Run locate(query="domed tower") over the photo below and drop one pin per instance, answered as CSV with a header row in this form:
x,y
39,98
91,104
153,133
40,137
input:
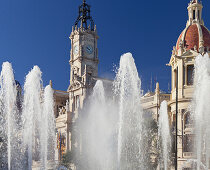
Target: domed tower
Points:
x,y
195,36
194,40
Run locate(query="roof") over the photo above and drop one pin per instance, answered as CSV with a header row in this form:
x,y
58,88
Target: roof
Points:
x,y
191,37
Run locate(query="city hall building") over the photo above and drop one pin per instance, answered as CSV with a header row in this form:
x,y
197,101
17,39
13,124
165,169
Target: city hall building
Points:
x,y
193,40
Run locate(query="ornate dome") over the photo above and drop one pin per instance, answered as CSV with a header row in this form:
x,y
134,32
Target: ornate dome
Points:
x,y
194,36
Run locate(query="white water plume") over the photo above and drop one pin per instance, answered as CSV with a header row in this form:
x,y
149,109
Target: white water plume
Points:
x,y
47,135
164,134
32,114
201,110
98,128
9,110
114,133
27,131
127,88
38,120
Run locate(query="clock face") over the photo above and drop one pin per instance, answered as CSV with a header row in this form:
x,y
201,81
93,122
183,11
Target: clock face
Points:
x,y
76,49
89,49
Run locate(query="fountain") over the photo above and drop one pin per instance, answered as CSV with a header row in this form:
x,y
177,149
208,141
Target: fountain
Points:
x,y
164,134
112,127
9,111
32,114
97,128
127,88
114,131
48,127
28,132
201,109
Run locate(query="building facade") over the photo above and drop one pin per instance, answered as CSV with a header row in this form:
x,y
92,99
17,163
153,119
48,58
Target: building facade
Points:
x,y
194,40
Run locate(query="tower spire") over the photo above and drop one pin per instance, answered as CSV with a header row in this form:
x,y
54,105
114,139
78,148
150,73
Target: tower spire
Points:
x,y
84,17
195,12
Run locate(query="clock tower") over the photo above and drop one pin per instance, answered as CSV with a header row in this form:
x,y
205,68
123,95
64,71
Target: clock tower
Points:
x,y
84,66
83,57
84,51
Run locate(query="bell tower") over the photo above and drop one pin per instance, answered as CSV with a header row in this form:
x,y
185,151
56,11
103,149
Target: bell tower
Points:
x,y
83,58
195,12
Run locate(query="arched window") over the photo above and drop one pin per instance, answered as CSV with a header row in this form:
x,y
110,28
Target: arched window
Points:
x,y
175,77
193,14
187,119
188,143
183,75
190,70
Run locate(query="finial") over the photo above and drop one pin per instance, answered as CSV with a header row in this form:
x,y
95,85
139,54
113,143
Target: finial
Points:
x,y
157,90
67,106
50,83
174,52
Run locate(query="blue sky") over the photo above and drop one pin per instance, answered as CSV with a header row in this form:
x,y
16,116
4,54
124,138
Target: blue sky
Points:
x,y
35,32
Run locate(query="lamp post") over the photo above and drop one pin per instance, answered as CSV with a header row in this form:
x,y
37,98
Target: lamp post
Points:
x,y
176,149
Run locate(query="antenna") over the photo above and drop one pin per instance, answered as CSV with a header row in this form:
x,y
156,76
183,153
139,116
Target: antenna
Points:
x,y
168,87
151,83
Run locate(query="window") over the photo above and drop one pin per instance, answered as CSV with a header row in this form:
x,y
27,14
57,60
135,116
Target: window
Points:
x,y
188,143
73,107
187,120
193,14
190,69
173,142
175,77
89,75
205,49
77,102
57,112
199,14
183,75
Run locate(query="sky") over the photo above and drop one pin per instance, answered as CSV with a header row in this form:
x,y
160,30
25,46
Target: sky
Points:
x,y
36,32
